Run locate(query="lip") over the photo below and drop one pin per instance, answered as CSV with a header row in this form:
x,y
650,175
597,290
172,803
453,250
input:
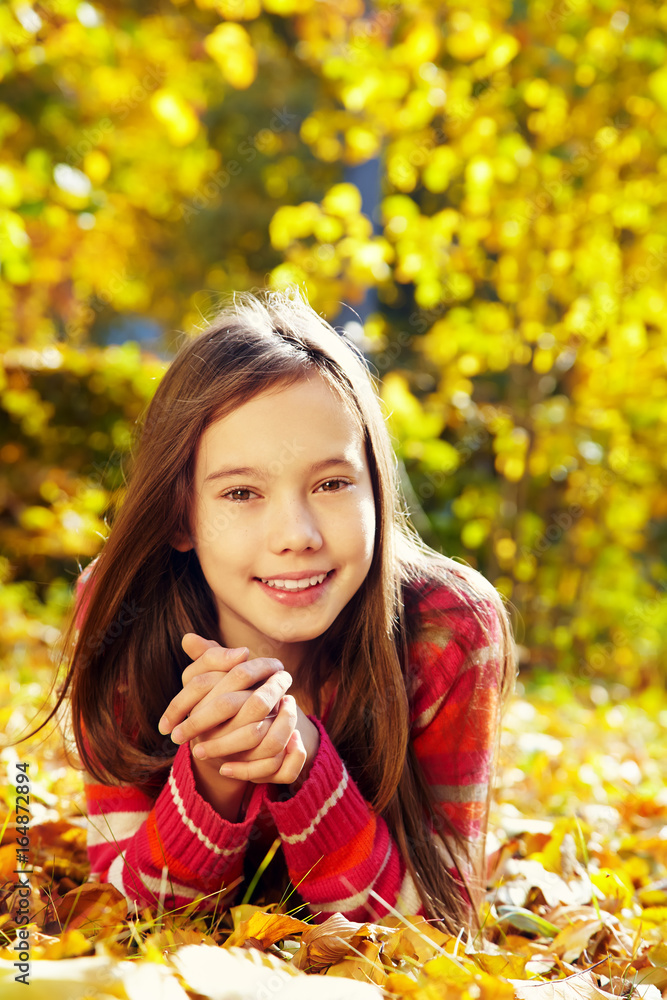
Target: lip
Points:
x,y
298,598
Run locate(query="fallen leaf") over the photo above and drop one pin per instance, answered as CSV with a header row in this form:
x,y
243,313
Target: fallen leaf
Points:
x,y
581,986
363,966
266,928
248,974
91,905
418,941
526,920
572,940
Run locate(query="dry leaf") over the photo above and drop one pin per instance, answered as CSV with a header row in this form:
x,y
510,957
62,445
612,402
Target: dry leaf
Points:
x,y
322,945
581,986
364,966
266,928
417,941
572,940
90,906
247,974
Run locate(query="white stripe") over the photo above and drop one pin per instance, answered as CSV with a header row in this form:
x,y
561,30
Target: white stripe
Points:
x,y
152,884
193,828
352,902
481,656
427,716
105,828
461,793
477,658
408,900
296,838
116,874
157,886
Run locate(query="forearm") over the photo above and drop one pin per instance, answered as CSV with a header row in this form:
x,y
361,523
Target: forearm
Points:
x,y
338,851
179,844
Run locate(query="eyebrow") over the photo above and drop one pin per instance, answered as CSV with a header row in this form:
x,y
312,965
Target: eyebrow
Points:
x,y
325,463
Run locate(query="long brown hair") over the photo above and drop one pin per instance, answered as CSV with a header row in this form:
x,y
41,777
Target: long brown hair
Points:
x,y
144,594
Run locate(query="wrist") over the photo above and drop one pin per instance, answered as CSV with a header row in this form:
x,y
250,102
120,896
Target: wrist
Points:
x,y
311,741
225,795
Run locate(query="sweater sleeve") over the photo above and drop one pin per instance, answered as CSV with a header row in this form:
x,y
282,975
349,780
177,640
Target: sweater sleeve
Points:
x,y
338,851
456,715
175,848
340,854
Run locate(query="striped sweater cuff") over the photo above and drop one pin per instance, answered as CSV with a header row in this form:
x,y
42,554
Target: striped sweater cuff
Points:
x,y
192,827
325,813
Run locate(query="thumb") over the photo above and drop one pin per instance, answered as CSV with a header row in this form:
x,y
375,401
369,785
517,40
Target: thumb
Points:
x,y
194,645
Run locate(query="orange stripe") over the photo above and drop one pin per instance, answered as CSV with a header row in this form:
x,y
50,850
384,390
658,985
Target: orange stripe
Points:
x,y
160,856
346,857
106,792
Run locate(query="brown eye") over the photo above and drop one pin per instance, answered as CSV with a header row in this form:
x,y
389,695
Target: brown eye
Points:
x,y
343,481
231,493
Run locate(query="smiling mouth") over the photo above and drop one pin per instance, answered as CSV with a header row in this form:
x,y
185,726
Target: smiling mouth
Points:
x,y
297,590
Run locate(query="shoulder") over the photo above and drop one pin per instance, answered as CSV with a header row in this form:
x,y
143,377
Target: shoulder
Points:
x,y
456,645
452,607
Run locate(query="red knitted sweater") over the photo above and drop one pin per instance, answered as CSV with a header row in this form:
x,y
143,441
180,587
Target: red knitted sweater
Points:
x,y
338,852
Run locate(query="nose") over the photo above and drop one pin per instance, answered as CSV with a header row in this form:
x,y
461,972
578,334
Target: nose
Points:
x,y
294,525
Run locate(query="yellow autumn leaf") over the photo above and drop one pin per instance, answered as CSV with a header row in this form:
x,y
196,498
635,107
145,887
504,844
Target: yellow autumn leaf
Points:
x,y
231,47
178,118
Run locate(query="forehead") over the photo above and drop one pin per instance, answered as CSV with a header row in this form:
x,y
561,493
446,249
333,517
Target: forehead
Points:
x,y
307,420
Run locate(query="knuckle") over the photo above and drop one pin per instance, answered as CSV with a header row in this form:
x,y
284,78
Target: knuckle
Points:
x,y
221,703
251,739
261,700
203,680
210,657
273,746
242,674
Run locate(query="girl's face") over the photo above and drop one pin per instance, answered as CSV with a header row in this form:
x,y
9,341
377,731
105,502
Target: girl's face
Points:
x,y
282,487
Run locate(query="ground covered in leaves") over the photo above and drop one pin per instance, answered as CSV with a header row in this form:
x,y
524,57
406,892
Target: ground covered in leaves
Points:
x,y
576,908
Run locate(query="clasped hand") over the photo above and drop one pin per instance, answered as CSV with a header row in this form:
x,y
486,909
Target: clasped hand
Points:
x,y
237,716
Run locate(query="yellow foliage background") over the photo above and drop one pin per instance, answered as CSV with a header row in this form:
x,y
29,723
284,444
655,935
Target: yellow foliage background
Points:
x,y
477,193
485,185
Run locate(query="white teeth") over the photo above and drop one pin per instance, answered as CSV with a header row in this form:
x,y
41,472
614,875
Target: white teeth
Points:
x,y
296,584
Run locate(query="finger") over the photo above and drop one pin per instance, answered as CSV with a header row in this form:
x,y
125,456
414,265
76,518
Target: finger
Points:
x,y
293,761
258,771
245,676
200,678
249,674
282,769
238,741
275,739
213,658
265,698
256,740
194,644
218,710
186,700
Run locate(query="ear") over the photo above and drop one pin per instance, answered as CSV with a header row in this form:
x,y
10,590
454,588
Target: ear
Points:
x,y
182,542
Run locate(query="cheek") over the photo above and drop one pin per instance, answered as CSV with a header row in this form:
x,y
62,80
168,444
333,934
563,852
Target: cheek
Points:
x,y
365,534
214,525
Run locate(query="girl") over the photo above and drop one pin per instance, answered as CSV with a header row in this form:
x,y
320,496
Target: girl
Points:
x,y
266,648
